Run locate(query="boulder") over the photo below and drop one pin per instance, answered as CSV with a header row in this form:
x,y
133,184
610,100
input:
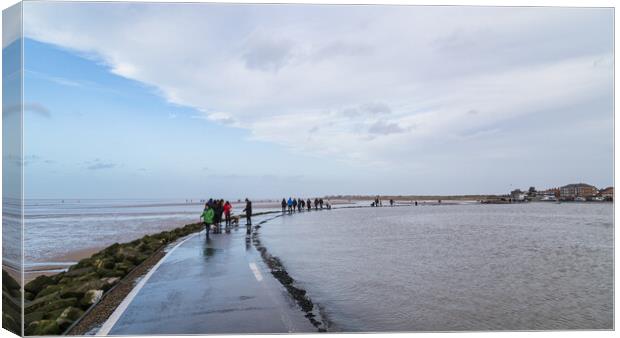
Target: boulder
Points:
x,y
34,316
83,263
71,293
42,328
48,290
91,297
104,262
11,323
124,267
29,295
88,276
39,302
57,304
111,250
9,282
36,285
73,272
110,273
68,316
110,281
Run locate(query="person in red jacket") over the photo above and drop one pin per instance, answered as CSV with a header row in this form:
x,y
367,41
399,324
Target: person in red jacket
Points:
x,y
227,211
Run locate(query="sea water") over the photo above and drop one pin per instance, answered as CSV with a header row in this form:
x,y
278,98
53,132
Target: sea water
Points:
x,y
532,266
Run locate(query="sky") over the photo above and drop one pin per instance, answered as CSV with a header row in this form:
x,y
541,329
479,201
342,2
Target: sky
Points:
x,y
149,100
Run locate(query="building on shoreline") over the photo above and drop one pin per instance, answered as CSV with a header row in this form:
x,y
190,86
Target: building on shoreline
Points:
x,y
607,193
578,190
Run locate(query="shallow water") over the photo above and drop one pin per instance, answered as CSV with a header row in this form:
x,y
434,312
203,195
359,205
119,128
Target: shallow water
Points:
x,y
57,228
530,266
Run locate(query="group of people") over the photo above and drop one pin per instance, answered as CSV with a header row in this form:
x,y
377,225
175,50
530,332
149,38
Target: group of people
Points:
x,y
215,209
299,204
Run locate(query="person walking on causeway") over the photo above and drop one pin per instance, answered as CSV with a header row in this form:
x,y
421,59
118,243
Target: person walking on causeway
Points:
x,y
248,215
290,205
207,217
227,212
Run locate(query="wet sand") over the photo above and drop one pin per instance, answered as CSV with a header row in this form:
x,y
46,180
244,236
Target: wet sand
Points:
x,y
58,264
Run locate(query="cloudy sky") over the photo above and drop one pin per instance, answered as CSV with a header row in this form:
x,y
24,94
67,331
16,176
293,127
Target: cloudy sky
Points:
x,y
191,100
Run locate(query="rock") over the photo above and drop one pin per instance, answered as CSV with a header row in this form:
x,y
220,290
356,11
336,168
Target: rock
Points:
x,y
104,262
9,282
124,267
110,281
34,316
68,316
94,284
29,295
36,285
11,324
91,297
111,250
131,255
71,293
110,273
43,328
48,290
59,303
88,276
144,248
79,272
83,263
58,277
39,302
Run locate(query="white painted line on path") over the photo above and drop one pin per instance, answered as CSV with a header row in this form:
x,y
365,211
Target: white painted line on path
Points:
x,y
256,272
116,315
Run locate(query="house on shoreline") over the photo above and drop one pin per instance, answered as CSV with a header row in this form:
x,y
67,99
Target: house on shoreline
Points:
x,y
578,191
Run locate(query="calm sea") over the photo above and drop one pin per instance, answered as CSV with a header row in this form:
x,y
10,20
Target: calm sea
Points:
x,y
530,266
57,228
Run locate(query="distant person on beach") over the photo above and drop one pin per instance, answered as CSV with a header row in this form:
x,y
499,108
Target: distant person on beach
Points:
x,y
316,204
302,204
248,214
321,203
294,204
309,204
207,217
377,201
283,205
328,205
227,211
289,203
391,202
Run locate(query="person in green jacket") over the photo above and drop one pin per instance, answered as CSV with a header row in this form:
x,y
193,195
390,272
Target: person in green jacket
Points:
x,y
207,216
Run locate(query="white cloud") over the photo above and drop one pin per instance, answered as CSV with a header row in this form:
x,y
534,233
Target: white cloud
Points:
x,y
347,82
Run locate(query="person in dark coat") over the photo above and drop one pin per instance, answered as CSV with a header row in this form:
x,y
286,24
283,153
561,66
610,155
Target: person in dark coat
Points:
x,y
283,204
309,204
248,215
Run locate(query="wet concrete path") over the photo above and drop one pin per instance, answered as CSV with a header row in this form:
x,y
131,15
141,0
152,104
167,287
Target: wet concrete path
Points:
x,y
219,286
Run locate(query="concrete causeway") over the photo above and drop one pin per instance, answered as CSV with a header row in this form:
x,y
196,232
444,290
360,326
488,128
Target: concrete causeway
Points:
x,y
209,287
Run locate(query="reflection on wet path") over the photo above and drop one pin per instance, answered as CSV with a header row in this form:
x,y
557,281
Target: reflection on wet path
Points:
x,y
215,286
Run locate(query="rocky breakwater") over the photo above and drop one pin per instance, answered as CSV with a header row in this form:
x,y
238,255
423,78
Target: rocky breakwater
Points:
x,y
54,303
11,304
